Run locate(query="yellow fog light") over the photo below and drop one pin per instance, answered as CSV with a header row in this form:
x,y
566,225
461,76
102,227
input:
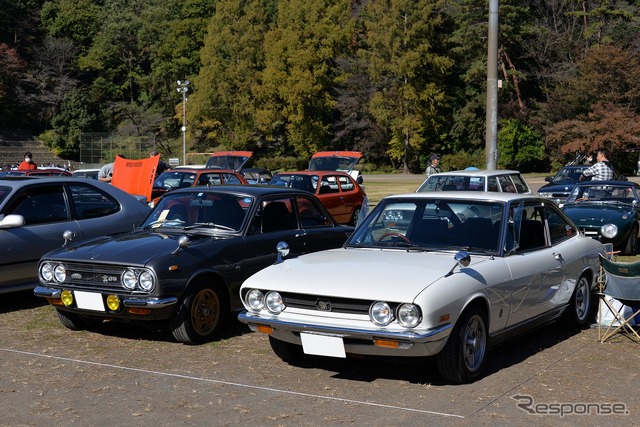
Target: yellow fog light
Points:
x,y
113,302
67,298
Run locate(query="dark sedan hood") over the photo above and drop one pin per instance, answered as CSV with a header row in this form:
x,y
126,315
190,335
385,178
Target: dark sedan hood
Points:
x,y
137,248
594,212
558,187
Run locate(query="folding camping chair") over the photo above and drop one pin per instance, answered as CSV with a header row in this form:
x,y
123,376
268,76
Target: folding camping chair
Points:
x,y
621,281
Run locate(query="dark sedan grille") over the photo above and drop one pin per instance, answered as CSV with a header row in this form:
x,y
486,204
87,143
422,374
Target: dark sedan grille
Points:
x,y
321,303
95,276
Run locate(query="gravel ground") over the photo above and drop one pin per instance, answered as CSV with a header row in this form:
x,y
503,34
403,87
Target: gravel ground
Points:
x,y
127,375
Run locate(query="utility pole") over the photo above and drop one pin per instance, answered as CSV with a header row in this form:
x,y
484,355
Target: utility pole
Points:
x,y
491,149
183,87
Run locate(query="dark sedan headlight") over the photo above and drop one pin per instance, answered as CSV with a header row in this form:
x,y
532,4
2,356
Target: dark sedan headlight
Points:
x,y
51,272
609,231
46,272
545,194
133,278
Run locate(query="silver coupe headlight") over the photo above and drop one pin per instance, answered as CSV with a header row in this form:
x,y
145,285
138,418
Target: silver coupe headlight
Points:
x,y
408,315
609,231
274,302
46,272
393,215
380,313
129,279
255,299
146,281
59,273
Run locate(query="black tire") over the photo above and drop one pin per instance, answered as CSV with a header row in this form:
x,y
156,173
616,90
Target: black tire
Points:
x,y
464,355
77,322
632,242
200,314
290,353
356,214
580,309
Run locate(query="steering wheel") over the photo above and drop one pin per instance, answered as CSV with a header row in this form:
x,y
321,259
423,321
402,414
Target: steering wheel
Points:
x,y
394,234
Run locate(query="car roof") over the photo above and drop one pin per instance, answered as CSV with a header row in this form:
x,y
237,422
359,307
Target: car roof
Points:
x,y
479,172
592,183
343,173
475,196
200,170
248,189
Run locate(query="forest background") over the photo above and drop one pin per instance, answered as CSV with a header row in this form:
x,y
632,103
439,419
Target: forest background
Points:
x,y
395,79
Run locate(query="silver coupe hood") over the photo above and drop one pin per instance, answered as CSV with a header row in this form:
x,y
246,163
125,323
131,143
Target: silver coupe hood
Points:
x,y
349,273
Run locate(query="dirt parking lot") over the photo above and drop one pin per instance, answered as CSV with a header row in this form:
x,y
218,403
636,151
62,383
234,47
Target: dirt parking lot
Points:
x,y
128,375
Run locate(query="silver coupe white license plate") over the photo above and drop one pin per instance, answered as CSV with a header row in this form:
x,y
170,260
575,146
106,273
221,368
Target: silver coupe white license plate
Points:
x,y
322,345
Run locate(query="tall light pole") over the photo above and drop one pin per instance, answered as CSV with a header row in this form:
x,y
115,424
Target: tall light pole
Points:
x,y
491,143
183,87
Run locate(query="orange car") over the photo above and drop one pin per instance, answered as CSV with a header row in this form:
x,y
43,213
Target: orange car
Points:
x,y
186,177
340,194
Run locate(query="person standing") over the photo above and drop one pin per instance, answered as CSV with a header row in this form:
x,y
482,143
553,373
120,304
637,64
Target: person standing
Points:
x,y
106,172
602,170
27,163
434,165
162,166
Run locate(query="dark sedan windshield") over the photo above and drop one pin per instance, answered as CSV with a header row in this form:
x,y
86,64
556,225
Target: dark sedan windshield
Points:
x,y
219,211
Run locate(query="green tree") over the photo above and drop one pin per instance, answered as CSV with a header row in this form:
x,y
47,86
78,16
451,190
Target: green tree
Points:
x,y
407,68
296,99
520,145
224,104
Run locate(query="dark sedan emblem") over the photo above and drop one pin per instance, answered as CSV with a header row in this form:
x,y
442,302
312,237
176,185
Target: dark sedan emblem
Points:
x,y
323,305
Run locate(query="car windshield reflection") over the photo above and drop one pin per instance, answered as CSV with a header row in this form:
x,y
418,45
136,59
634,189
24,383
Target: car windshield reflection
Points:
x,y
432,224
191,210
602,193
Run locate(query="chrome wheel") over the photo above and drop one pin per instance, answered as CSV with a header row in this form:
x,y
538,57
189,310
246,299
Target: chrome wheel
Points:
x,y
474,343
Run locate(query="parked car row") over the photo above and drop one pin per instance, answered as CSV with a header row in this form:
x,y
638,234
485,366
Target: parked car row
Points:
x,y
445,272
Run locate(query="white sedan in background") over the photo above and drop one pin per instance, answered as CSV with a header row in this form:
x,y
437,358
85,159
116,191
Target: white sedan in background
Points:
x,y
460,272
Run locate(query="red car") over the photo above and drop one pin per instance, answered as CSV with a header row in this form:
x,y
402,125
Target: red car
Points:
x,y
186,177
340,194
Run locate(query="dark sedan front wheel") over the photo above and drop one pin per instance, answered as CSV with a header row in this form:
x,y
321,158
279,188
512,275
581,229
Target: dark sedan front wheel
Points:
x,y
200,314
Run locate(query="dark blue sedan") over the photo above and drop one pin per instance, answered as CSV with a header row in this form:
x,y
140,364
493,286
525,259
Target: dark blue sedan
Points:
x,y
608,211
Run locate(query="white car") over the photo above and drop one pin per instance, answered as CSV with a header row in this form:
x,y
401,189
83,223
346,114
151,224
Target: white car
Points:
x,y
465,271
499,180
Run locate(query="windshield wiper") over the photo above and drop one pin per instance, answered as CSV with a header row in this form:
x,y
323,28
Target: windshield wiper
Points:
x,y
163,222
210,224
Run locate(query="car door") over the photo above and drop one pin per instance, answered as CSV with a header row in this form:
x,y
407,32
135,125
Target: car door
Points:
x,y
273,221
320,233
331,198
46,216
537,267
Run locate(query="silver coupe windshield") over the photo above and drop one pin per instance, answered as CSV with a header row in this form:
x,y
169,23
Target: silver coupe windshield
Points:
x,y
432,224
